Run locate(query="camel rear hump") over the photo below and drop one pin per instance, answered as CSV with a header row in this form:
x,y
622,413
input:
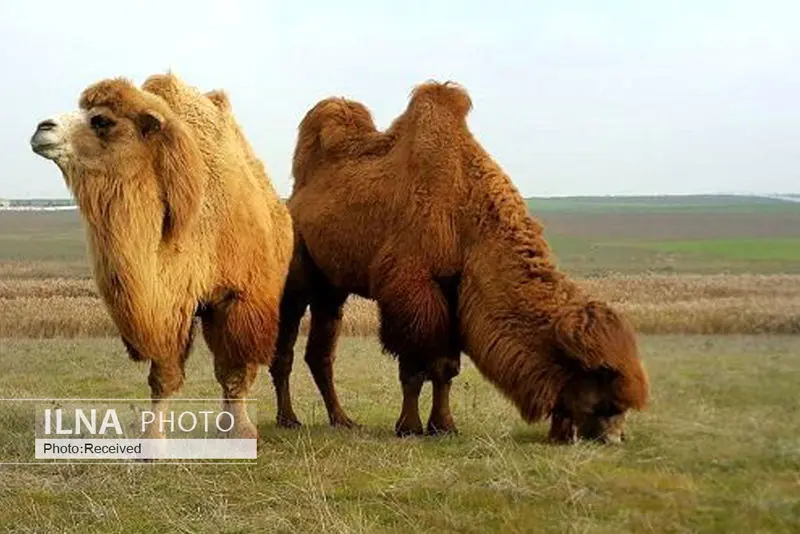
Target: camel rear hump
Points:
x,y
441,96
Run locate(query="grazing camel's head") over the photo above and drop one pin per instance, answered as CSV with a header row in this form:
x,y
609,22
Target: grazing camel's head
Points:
x,y
588,409
121,142
606,377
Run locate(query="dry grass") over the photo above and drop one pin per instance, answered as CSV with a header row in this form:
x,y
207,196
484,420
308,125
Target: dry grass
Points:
x,y
708,304
19,270
688,287
717,451
47,288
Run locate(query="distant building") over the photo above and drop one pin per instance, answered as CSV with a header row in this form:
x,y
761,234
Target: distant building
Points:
x,y
5,203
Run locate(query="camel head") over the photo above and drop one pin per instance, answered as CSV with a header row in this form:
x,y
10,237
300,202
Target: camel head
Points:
x,y
112,126
588,409
606,378
123,139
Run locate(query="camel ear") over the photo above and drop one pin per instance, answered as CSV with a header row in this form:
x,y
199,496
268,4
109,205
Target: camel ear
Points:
x,y
219,99
181,173
149,122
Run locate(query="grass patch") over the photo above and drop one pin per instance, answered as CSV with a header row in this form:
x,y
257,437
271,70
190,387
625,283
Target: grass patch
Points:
x,y
584,257
717,451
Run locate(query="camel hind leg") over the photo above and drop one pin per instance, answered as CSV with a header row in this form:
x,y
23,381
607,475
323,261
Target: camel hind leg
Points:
x,y
241,333
441,373
415,314
411,380
445,365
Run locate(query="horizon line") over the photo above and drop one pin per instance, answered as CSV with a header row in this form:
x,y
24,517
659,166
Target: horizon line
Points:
x,y
777,196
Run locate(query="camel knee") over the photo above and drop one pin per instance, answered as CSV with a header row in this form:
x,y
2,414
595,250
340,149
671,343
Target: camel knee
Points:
x,y
281,366
412,371
444,369
291,312
165,378
319,359
326,319
235,378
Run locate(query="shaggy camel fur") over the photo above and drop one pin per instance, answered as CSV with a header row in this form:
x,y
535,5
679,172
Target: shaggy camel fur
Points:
x,y
422,220
182,221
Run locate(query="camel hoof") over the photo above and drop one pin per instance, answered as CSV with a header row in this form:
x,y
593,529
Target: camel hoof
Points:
x,y
406,432
244,431
288,422
402,429
343,421
441,429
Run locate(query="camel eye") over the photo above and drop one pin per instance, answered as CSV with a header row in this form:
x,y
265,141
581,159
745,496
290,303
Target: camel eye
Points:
x,y
101,122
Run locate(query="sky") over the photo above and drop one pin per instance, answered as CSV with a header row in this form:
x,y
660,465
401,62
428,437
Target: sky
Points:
x,y
571,98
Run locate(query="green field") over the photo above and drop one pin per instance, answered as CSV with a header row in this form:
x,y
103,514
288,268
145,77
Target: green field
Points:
x,y
777,250
601,236
717,451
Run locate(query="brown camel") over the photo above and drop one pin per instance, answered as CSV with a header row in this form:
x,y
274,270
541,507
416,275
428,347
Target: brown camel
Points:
x,y
422,220
182,221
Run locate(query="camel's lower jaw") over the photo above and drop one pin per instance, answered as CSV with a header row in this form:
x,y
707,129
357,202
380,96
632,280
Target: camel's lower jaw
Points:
x,y
612,439
43,146
51,152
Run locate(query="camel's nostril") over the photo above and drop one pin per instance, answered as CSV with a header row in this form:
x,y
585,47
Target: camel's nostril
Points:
x,y
46,125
